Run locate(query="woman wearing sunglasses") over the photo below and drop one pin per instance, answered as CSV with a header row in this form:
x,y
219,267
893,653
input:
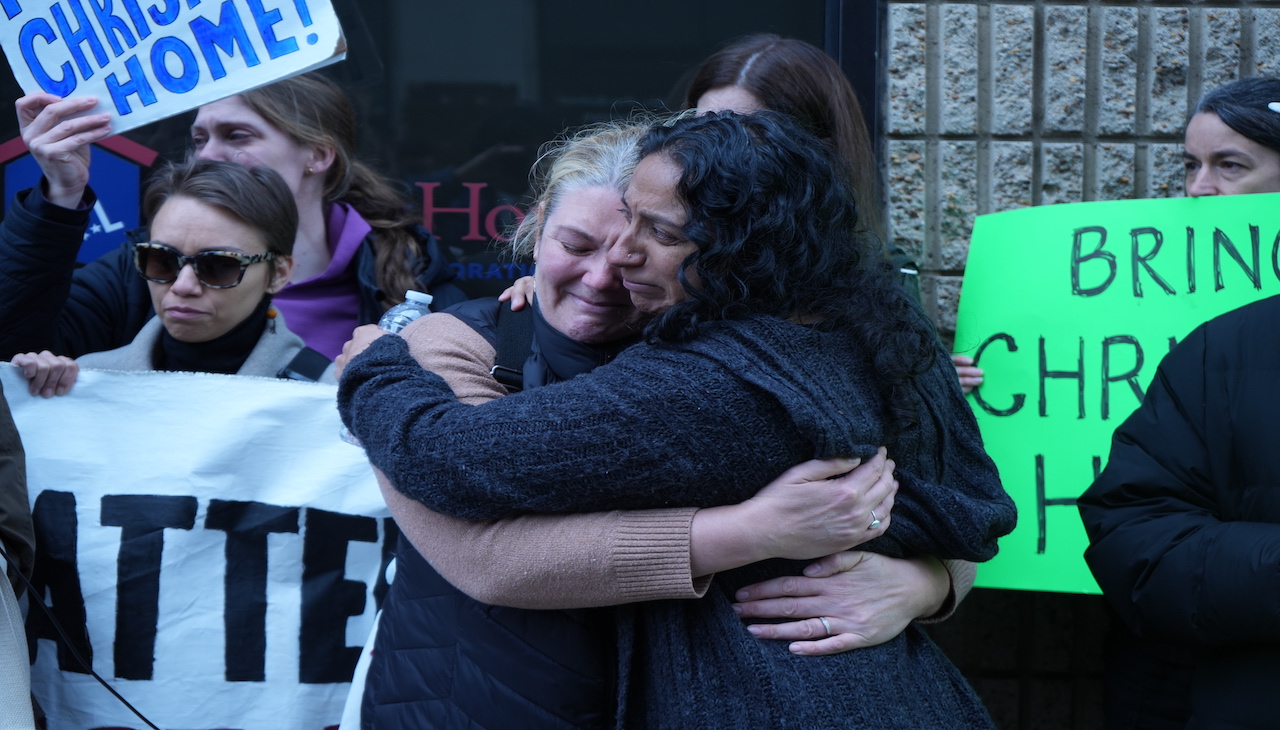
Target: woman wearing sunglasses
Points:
x,y
221,245
357,248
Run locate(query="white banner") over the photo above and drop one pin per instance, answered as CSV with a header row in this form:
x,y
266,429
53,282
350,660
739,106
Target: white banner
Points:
x,y
208,540
149,59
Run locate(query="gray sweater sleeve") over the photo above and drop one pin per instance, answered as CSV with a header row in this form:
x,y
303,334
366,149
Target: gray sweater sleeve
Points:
x,y
698,426
633,435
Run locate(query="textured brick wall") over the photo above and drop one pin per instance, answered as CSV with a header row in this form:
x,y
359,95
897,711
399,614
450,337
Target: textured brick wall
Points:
x,y
1000,104
993,105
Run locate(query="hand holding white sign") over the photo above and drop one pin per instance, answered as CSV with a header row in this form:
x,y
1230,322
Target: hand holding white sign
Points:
x,y
59,139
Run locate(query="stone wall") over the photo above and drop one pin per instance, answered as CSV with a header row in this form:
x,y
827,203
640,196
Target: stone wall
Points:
x,y
999,104
994,104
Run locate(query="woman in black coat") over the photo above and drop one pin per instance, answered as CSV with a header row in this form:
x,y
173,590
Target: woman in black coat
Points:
x,y
1184,523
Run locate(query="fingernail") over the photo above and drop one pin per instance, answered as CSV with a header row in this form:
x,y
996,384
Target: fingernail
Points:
x,y
740,595
736,608
755,630
812,569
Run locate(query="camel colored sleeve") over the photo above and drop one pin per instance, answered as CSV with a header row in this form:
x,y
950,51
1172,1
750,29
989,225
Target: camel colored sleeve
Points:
x,y
538,561
963,574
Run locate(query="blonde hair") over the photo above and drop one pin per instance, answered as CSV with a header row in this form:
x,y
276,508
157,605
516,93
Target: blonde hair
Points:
x,y
313,110
598,155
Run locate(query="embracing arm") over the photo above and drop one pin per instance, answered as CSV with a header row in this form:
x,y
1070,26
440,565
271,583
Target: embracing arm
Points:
x,y
607,558
634,435
556,561
537,561
571,561
1167,562
612,438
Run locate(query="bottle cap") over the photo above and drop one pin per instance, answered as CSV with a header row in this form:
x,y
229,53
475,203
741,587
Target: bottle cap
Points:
x,y
417,296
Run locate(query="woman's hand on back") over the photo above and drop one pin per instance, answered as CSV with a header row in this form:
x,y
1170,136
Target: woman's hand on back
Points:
x,y
866,599
59,143
813,509
49,374
519,293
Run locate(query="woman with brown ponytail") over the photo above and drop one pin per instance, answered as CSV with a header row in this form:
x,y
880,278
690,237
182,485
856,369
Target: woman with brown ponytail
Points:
x,y
358,249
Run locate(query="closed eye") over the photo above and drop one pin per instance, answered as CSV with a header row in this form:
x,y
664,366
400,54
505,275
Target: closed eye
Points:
x,y
663,236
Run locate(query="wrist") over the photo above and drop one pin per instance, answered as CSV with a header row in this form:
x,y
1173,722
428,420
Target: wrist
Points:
x,y
723,538
64,196
936,586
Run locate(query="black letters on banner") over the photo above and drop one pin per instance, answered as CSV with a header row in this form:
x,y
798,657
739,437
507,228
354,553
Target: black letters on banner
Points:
x,y
1191,260
328,599
1018,399
143,519
1141,261
1078,258
57,573
1076,375
1043,502
1130,376
1220,242
247,525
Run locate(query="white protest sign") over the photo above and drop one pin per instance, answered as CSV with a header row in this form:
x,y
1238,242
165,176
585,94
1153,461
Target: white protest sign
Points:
x,y
207,540
149,59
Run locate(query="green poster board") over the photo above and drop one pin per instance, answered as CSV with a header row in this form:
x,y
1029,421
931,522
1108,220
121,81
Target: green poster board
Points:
x,y
1069,309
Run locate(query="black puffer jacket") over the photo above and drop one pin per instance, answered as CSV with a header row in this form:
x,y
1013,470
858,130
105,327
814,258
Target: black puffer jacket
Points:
x,y
445,660
47,302
1184,523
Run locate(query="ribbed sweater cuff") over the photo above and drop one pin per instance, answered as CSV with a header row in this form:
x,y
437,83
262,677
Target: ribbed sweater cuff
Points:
x,y
651,555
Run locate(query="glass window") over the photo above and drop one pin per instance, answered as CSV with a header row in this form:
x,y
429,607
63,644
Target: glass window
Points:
x,y
454,99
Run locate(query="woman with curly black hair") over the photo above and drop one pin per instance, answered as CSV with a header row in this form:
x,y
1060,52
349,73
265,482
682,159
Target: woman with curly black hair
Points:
x,y
778,335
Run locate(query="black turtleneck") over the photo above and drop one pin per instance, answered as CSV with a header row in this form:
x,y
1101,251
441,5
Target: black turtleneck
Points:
x,y
225,354
557,357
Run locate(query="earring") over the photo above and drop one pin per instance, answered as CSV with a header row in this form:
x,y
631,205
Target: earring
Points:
x,y
271,318
311,170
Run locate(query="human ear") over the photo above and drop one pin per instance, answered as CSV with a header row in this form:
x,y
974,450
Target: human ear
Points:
x,y
281,270
321,158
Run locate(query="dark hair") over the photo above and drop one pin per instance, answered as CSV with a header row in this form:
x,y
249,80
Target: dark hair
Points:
x,y
1243,106
313,110
795,78
257,196
776,229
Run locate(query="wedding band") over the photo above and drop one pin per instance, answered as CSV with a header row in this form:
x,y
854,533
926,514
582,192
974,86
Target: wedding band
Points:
x,y
875,521
825,624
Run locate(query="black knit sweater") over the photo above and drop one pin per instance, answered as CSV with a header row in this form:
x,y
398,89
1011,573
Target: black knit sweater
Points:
x,y
705,423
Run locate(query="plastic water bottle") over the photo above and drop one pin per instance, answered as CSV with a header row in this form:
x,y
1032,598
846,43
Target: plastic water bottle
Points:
x,y
415,305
